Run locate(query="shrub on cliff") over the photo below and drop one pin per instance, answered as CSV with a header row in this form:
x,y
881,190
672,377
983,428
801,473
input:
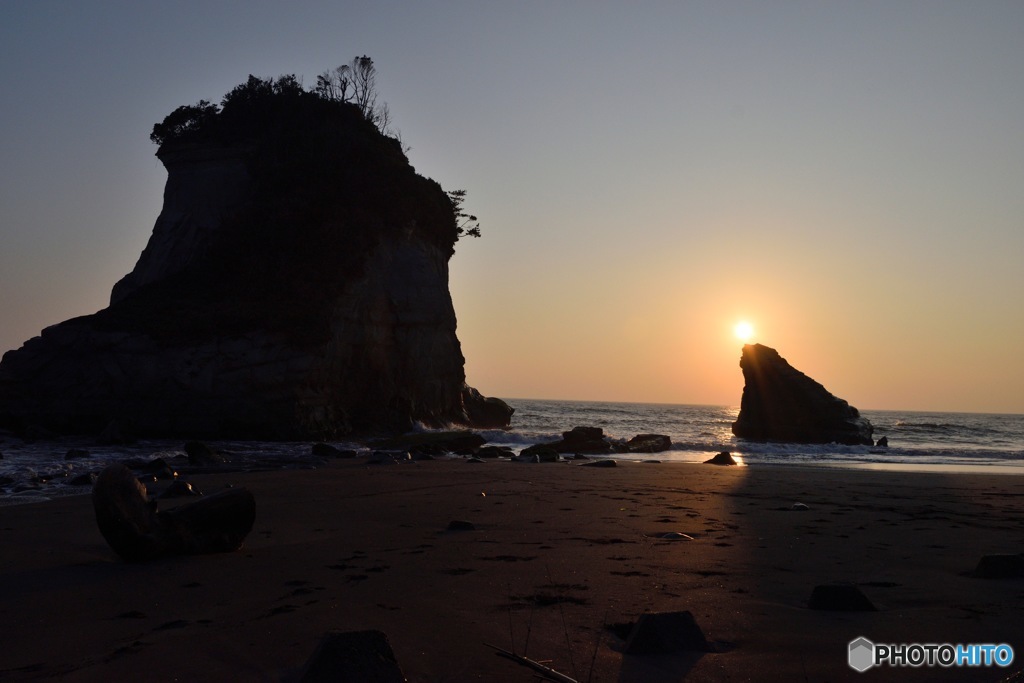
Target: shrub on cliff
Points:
x,y
310,143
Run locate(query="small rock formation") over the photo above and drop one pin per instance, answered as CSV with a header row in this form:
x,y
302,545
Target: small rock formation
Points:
x,y
723,458
540,452
494,452
295,286
352,657
485,412
592,441
589,440
1004,566
780,403
649,443
202,455
841,597
87,479
666,633
132,526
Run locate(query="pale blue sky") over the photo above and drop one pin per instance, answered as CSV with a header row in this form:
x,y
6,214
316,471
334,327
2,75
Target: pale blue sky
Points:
x,y
847,175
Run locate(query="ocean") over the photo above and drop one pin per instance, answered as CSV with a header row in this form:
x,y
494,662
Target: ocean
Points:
x,y
985,442
918,441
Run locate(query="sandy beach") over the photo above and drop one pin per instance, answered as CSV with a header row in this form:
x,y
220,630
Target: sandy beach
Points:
x,y
558,552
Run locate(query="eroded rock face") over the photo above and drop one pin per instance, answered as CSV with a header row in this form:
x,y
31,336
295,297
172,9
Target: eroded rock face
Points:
x,y
295,286
206,185
780,403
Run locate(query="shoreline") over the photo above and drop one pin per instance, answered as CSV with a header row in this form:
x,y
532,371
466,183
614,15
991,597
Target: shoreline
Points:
x,y
44,495
555,550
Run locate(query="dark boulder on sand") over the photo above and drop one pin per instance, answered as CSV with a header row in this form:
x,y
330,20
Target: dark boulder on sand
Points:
x,y
666,633
485,412
87,479
494,452
649,443
132,526
780,403
540,452
840,597
589,440
352,657
200,454
295,286
1005,566
723,458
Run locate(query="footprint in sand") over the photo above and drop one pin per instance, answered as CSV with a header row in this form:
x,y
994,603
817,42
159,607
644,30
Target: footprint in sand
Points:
x,y
133,614
178,623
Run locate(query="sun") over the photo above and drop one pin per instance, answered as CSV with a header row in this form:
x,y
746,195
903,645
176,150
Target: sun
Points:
x,y
744,331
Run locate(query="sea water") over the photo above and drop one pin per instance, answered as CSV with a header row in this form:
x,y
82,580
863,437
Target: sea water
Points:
x,y
917,441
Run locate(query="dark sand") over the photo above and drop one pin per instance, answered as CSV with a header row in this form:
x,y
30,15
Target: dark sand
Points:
x,y
558,552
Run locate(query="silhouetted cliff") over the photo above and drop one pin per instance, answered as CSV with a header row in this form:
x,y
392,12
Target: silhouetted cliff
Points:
x,y
295,285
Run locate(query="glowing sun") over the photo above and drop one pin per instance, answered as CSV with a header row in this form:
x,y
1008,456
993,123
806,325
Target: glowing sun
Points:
x,y
743,330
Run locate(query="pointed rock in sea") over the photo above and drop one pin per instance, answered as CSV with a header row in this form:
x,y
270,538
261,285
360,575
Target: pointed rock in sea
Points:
x,y
780,403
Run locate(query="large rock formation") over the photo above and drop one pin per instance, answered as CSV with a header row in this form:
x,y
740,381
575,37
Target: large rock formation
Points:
x,y
295,286
780,403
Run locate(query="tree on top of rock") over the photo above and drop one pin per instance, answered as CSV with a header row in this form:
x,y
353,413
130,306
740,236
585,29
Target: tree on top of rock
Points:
x,y
356,83
263,108
350,85
184,121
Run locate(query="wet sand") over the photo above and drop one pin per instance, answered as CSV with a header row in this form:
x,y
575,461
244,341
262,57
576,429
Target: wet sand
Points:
x,y
558,552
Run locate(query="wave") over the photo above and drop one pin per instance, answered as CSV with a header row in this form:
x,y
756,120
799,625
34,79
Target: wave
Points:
x,y
517,438
946,428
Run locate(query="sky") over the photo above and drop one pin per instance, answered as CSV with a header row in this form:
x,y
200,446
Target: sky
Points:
x,y
848,177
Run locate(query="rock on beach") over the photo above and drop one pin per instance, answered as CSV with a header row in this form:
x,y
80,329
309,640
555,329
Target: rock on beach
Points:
x,y
780,403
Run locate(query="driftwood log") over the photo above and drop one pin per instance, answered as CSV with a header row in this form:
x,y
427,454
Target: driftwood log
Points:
x,y
133,527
